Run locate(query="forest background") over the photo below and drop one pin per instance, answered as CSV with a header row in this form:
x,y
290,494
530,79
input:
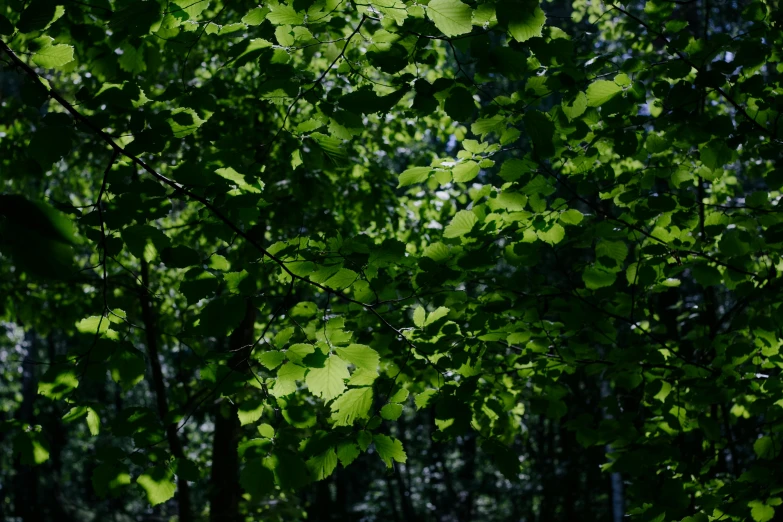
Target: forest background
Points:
x,y
444,260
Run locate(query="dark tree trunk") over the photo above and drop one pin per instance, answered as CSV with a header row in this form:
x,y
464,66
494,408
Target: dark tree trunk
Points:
x,y
57,440
159,388
467,476
26,502
225,489
224,499
392,498
405,497
322,510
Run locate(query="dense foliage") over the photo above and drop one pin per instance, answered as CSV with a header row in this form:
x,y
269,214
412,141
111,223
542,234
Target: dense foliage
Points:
x,y
391,260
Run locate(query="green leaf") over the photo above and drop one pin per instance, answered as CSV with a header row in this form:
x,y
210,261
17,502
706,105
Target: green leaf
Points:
x,y
127,367
197,284
54,56
526,24
323,465
287,375
328,382
513,169
37,217
623,80
184,122
452,17
267,431
571,217
715,154
363,377
764,448
553,235
180,256
158,484
93,422
221,315
250,411
577,107
58,382
413,176
389,449
290,471
271,359
419,316
511,201
257,479
465,171
655,143
38,15
436,314
391,412
364,439
281,14
342,279
760,511
144,241
541,131
707,275
347,453
601,91
596,278
611,250
132,59
255,16
351,405
297,352
31,447
109,478
460,104
75,413
360,356
423,399
461,224
400,396
191,8
93,325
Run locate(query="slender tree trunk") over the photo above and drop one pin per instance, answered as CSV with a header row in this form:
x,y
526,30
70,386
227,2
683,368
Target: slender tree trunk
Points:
x,y
467,476
341,501
159,388
405,501
224,499
3,487
26,501
392,499
225,489
323,509
617,497
433,457
57,440
405,498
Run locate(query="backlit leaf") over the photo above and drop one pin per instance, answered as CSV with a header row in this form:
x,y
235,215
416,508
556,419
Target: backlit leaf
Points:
x,y
452,17
389,449
158,484
351,405
328,382
461,224
601,91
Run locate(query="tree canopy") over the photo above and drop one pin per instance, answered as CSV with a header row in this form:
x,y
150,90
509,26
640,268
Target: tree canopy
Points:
x,y
391,260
